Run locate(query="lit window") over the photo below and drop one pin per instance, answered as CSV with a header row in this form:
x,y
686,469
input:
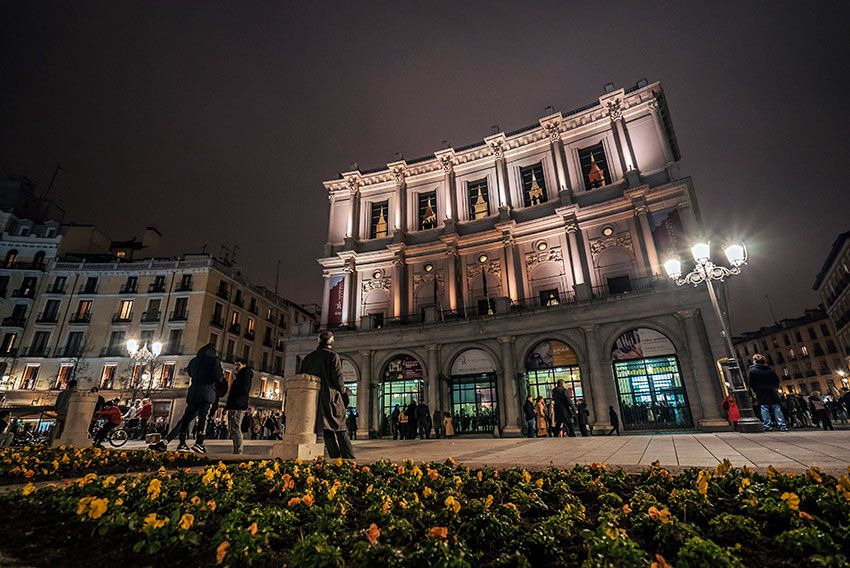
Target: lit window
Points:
x,y
594,166
479,199
427,210
533,185
378,225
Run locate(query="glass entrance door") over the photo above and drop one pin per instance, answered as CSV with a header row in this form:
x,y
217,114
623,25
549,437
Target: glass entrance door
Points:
x,y
541,382
652,396
397,392
474,403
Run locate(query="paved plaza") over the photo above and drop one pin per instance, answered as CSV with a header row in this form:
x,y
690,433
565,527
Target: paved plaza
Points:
x,y
796,451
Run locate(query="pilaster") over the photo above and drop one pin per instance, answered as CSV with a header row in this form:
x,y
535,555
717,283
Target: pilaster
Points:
x,y
510,398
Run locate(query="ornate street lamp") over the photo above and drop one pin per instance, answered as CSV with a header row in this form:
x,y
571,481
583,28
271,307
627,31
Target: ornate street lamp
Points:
x,y
706,271
146,358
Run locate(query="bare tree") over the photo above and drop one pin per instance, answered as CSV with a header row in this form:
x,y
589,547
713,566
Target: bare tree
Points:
x,y
79,359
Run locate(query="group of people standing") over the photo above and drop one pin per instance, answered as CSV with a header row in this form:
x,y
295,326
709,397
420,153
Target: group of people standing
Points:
x,y
416,419
559,415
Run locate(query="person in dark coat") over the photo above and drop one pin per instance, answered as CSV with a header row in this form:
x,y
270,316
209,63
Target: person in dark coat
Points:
x,y
438,423
530,420
326,365
565,410
411,420
423,420
206,374
394,422
237,402
614,419
764,381
583,414
351,423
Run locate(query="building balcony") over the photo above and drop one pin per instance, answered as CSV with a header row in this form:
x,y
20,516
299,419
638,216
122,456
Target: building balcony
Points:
x,y
217,321
150,317
87,290
38,351
129,289
183,287
235,328
223,294
56,289
68,352
19,265
11,352
113,351
13,321
156,288
179,316
169,349
81,318
47,318
250,335
122,318
25,293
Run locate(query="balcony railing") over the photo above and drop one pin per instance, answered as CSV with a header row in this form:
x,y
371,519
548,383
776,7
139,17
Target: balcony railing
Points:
x,y
47,318
172,349
12,352
56,289
250,335
38,351
183,287
87,289
217,321
179,316
24,265
81,318
129,289
113,351
149,317
13,321
235,328
28,293
156,288
68,351
122,318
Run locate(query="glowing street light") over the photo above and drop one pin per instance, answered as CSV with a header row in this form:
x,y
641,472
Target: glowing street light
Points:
x,y
705,271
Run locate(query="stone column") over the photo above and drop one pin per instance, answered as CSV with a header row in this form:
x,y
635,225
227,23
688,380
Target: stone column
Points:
x,y
80,410
654,106
299,438
451,276
579,276
615,113
553,129
706,396
446,158
325,299
399,285
346,297
332,202
601,382
364,395
432,392
354,219
398,170
641,212
497,144
510,399
510,266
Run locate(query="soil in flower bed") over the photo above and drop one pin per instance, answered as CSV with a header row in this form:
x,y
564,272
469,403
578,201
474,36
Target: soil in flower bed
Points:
x,y
27,464
271,513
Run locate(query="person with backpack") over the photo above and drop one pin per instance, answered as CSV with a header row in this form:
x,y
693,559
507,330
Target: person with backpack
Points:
x,y
237,402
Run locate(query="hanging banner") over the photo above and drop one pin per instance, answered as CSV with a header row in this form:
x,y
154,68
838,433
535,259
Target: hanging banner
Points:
x,y
473,361
335,296
403,367
641,343
549,354
349,373
667,232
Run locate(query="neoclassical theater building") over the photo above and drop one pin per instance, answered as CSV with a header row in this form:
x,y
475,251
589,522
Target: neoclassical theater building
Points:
x,y
478,275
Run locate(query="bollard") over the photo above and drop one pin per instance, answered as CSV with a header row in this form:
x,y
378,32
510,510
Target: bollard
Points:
x,y
80,410
302,403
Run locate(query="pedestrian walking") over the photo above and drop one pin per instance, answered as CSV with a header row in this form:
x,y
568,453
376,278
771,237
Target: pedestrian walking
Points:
x,y
448,426
730,408
541,414
614,420
205,374
583,414
565,410
423,420
237,402
351,424
820,411
412,420
530,419
438,423
764,381
325,364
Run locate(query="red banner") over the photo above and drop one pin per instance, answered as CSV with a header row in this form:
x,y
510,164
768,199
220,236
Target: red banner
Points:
x,y
336,295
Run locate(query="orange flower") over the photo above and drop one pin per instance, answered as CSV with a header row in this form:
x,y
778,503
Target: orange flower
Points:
x,y
660,562
221,552
294,501
252,529
211,505
439,533
662,515
308,500
186,521
804,515
626,510
182,495
480,477
372,534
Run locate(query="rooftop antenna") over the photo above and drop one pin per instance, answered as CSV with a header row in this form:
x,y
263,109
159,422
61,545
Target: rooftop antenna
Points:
x,y
277,277
53,179
233,255
204,249
770,307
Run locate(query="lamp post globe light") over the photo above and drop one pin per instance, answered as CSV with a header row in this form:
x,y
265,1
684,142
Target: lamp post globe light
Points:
x,y
146,358
705,271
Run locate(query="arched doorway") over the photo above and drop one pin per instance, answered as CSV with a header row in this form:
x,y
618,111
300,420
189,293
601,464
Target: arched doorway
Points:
x,y
547,363
649,382
474,398
401,382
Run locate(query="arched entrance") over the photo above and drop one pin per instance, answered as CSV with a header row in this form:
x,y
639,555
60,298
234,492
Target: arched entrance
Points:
x,y
474,399
401,382
649,382
547,363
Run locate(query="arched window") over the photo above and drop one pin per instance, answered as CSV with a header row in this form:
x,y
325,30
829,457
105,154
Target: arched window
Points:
x,y
11,257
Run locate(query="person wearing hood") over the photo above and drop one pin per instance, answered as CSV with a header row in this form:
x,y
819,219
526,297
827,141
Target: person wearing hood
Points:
x,y
326,365
764,381
206,374
237,402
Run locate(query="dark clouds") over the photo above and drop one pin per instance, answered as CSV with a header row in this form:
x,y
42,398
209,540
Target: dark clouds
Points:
x,y
218,122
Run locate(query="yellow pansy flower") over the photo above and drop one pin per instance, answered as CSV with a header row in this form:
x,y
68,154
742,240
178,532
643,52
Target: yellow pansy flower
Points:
x,y
186,521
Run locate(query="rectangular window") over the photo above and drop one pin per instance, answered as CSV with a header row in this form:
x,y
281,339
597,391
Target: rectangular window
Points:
x,y
63,376
107,377
152,311
619,285
533,185
246,352
181,308
265,363
146,337
824,330
83,310
59,284
217,312
594,167
74,344
214,340
166,376
30,377
786,339
174,338
478,196
804,350
39,343
252,305
51,311
812,334
263,382
90,287
186,283
234,318
549,297
270,314
378,220
125,310
158,284
427,210
131,286
116,344
4,285
251,325
231,348
797,336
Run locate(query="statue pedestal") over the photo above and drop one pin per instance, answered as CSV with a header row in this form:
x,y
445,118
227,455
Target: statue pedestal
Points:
x,y
302,404
80,410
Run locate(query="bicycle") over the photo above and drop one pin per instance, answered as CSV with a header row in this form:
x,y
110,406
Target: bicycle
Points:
x,y
116,437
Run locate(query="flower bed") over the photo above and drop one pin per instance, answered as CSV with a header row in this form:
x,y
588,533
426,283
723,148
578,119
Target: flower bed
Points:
x,y
20,465
273,513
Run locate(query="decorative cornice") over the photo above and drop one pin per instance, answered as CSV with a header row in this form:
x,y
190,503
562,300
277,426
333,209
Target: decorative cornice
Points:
x,y
598,245
614,109
384,284
534,258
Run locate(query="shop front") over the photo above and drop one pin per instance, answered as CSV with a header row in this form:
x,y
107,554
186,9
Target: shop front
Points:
x,y
401,382
474,396
649,382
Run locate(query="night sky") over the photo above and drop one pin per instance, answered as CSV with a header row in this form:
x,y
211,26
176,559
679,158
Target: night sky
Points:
x,y
217,122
